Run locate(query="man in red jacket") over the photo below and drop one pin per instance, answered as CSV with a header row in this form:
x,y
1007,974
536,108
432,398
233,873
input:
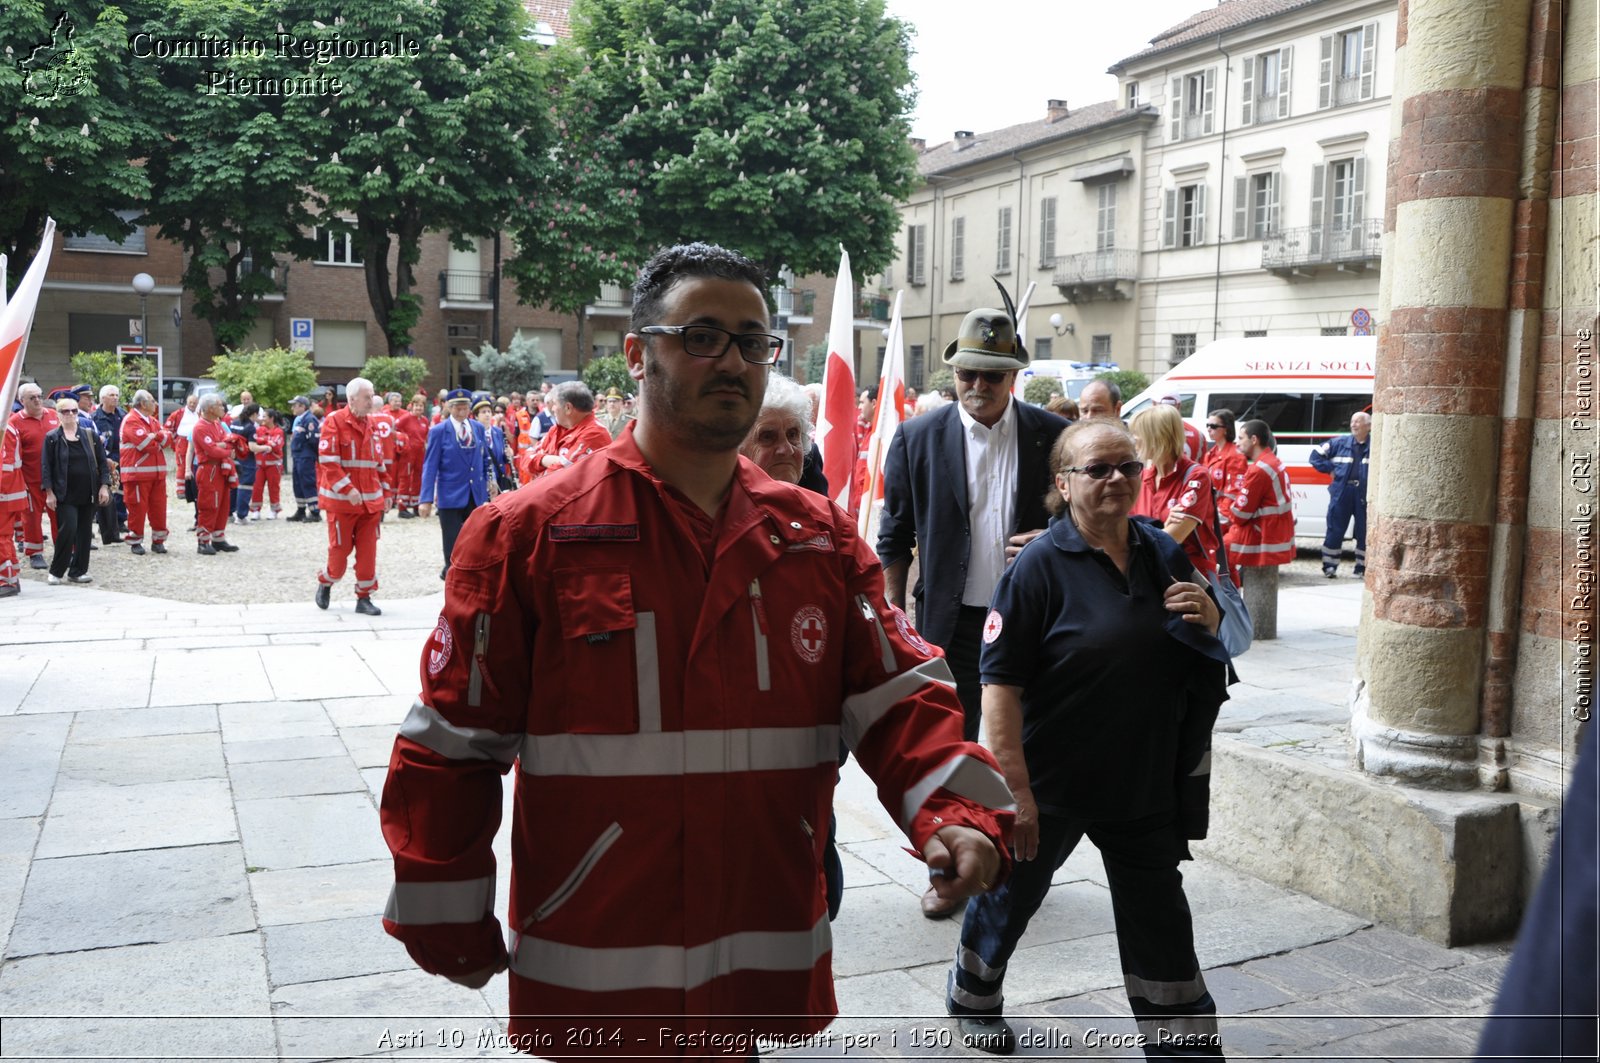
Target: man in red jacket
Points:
x,y
144,473
215,475
578,431
1261,531
350,490
668,837
33,422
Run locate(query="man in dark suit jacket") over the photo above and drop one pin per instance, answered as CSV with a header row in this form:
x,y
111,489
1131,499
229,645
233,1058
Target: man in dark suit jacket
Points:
x,y
965,485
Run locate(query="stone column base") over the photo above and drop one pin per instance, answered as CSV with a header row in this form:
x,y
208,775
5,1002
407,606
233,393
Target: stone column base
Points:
x,y
1260,591
1445,866
1447,762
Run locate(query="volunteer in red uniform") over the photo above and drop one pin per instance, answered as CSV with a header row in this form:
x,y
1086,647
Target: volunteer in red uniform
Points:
x,y
144,473
668,835
33,422
213,452
1194,444
350,490
389,443
1224,461
180,438
578,432
413,428
13,503
269,466
1262,532
1174,490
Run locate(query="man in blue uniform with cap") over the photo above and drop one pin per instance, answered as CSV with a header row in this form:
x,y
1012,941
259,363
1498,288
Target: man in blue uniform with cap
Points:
x,y
457,470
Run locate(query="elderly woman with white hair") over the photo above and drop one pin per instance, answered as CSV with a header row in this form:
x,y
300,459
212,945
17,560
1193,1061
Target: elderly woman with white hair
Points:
x,y
215,475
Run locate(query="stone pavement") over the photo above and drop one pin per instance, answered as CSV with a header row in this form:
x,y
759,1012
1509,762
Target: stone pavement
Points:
x,y
191,864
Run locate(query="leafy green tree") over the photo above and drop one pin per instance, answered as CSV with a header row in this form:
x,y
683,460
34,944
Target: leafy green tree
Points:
x,y
519,368
273,375
71,126
441,140
611,371
229,175
941,379
1039,389
1129,381
775,127
404,375
812,364
99,368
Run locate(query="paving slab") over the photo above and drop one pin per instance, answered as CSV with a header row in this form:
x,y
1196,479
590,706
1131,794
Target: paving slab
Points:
x,y
137,723
179,986
295,778
332,891
153,815
370,747
180,676
17,839
307,748
383,1010
127,898
396,662
263,721
30,749
121,680
283,832
386,709
375,778
332,948
300,673
1236,935
17,677
86,764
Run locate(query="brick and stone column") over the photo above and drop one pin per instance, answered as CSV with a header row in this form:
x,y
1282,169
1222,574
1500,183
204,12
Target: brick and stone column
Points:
x,y
1440,393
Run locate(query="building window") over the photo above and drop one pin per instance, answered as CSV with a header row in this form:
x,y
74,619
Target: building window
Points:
x,y
1255,206
336,248
916,372
1335,330
1002,249
1255,333
1345,73
1265,83
916,255
958,248
1190,105
1041,348
1182,347
132,244
1100,348
1338,206
1184,217
1047,232
1105,236
1130,94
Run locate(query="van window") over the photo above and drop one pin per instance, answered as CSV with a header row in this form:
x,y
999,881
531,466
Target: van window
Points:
x,y
1333,414
1288,415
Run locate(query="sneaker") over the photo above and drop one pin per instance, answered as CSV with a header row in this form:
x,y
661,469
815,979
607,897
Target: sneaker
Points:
x,y
273,515
85,578
1331,573
137,549
37,561
1360,571
255,516
53,579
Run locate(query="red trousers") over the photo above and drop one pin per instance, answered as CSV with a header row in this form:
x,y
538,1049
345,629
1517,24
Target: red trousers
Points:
x,y
32,521
269,480
358,532
146,497
9,573
410,479
213,493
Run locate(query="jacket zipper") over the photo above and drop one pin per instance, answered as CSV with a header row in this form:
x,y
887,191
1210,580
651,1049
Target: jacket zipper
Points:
x,y
889,663
480,650
570,885
758,619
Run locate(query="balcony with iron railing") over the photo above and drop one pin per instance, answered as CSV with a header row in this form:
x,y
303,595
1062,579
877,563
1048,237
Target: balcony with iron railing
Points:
x,y
1090,275
1346,90
795,303
1194,125
465,289
1265,110
872,306
1351,248
276,271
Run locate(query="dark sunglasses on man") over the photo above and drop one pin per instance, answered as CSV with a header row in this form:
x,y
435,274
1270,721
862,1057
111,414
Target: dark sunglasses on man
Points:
x,y
992,377
1102,470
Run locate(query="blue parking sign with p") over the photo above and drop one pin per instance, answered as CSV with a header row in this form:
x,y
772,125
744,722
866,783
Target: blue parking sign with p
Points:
x,y
300,333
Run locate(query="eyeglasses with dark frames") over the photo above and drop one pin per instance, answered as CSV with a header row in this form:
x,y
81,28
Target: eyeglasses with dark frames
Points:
x,y
708,341
1210,425
992,377
1102,470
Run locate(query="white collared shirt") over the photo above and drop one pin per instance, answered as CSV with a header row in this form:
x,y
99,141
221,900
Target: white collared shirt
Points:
x,y
991,500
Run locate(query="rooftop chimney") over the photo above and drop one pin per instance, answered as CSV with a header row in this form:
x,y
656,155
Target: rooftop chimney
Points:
x,y
963,139
918,144
1055,110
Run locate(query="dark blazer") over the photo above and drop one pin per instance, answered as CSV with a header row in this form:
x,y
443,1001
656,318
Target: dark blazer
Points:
x,y
53,462
453,476
925,504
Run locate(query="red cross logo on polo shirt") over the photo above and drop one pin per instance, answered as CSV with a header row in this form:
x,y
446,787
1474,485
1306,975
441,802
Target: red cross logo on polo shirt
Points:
x,y
992,625
809,633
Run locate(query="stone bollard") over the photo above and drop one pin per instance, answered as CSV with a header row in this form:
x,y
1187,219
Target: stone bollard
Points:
x,y
1261,598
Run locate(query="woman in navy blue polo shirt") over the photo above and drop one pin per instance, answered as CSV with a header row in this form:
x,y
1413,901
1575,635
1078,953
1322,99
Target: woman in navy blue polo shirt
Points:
x,y
1102,677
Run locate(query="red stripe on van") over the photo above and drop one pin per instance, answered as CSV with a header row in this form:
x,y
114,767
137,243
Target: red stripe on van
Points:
x,y
1305,474
1274,376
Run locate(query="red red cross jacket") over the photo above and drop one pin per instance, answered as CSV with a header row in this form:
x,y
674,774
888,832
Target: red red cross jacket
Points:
x,y
13,492
669,826
271,437
1262,532
214,452
350,455
140,455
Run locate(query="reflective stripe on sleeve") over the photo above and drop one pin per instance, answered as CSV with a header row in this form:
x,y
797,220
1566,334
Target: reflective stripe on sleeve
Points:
x,y
673,753
861,711
647,671
609,970
963,776
424,726
426,903
1262,548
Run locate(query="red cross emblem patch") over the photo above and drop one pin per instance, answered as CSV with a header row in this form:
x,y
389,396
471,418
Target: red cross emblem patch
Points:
x,y
992,625
809,633
439,647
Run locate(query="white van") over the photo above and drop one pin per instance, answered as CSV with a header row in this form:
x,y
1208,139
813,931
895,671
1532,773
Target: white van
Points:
x,y
1304,387
1073,375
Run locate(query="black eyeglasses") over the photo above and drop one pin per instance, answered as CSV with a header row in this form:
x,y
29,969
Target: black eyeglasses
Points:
x,y
708,341
1210,425
1102,470
992,377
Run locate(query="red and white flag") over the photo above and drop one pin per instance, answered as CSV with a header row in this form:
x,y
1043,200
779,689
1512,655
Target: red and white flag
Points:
x,y
836,416
891,400
16,318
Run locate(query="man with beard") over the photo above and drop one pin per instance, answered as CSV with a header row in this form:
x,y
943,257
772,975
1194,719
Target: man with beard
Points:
x,y
743,629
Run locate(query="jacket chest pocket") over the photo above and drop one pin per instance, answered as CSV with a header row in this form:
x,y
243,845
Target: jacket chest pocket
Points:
x,y
611,673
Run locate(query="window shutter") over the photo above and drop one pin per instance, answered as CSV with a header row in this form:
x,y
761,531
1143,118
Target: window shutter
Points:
x,y
1247,79
1169,218
1199,215
1241,208
1047,232
1369,58
1175,108
1207,97
1002,253
1274,181
1358,191
922,254
958,248
1318,176
1325,75
1285,57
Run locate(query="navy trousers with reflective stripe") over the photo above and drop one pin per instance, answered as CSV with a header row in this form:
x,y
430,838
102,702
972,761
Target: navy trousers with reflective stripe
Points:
x,y
1351,504
1155,934
305,481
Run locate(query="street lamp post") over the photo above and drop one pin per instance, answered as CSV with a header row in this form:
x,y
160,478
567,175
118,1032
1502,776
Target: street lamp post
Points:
x,y
144,284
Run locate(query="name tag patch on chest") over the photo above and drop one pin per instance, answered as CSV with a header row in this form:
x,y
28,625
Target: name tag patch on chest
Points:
x,y
822,542
564,533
